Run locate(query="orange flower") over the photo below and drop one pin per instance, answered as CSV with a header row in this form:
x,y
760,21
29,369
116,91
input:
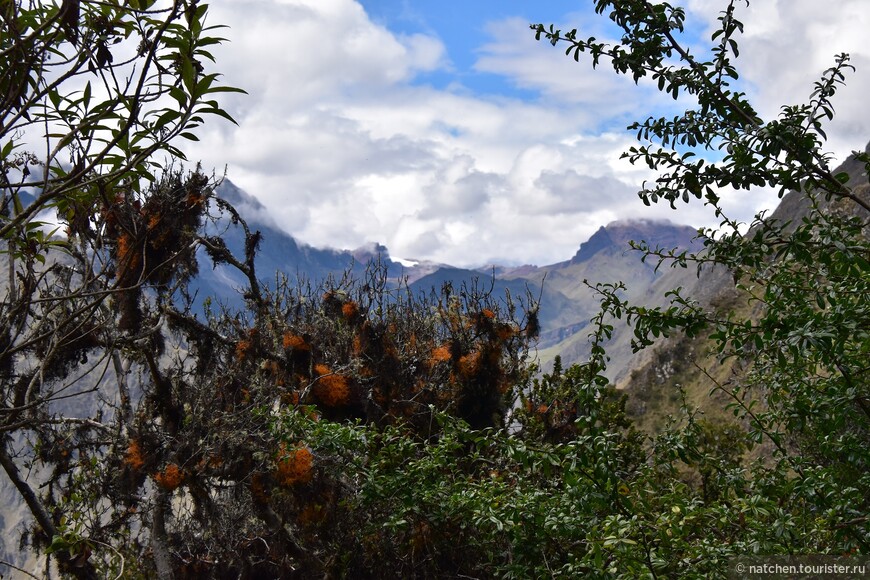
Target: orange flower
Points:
x,y
294,465
331,389
195,199
295,342
487,313
243,349
357,347
439,355
127,255
124,245
134,455
505,332
349,310
170,478
153,221
469,364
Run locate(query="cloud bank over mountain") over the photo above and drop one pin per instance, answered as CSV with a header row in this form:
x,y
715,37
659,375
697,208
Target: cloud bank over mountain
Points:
x,y
359,130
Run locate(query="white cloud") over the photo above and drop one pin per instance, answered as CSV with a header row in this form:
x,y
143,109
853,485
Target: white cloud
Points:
x,y
787,45
513,52
343,148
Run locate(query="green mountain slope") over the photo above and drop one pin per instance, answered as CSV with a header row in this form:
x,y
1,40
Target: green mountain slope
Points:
x,y
653,378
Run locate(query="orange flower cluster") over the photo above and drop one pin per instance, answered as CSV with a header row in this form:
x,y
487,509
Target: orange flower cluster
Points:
x,y
295,342
127,255
170,478
246,346
291,398
469,364
294,465
350,310
134,457
357,347
195,199
505,332
440,355
243,349
331,389
124,246
154,221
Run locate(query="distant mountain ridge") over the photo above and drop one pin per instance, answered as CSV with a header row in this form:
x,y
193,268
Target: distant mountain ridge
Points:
x,y
607,257
566,303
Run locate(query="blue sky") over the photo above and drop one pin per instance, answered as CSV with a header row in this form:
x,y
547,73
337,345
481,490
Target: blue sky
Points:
x,y
444,131
462,26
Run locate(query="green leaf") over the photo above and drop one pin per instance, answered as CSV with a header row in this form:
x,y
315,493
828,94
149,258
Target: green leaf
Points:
x,y
188,75
226,90
179,95
165,118
218,112
7,149
58,544
16,202
55,98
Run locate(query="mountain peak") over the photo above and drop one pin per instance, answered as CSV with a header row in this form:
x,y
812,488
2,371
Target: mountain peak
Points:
x,y
616,236
371,251
232,193
599,241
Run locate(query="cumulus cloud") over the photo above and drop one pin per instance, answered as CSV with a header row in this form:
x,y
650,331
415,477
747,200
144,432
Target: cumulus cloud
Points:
x,y
458,188
345,145
785,48
514,53
572,191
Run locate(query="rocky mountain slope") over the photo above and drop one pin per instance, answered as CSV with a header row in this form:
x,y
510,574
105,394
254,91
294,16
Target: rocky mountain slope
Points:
x,y
607,257
654,377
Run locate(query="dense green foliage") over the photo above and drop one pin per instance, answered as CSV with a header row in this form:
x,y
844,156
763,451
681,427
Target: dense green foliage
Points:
x,y
354,429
